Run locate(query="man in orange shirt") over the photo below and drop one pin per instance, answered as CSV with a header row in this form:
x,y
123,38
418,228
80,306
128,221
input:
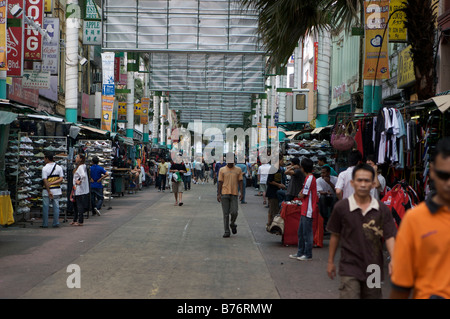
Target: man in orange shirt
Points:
x,y
421,261
230,178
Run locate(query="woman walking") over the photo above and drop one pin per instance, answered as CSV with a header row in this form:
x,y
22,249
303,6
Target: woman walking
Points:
x,y
81,187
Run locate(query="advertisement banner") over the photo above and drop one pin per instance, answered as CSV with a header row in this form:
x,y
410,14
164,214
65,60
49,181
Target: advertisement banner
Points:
x,y
376,64
34,9
397,30
15,40
108,73
145,104
107,112
3,49
50,50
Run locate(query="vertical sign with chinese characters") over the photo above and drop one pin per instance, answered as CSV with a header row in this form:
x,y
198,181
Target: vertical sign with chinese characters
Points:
x,y
34,9
376,64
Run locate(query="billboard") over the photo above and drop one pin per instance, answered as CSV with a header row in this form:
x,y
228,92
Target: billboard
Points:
x,y
34,9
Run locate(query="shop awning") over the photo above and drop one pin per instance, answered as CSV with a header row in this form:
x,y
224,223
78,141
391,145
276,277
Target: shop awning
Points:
x,y
46,117
317,130
93,129
7,117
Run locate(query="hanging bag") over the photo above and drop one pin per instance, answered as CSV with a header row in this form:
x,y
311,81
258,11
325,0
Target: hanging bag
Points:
x,y
344,140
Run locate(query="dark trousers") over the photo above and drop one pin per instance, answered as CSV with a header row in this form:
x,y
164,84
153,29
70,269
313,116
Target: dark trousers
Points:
x,y
326,204
82,206
162,181
97,198
305,237
187,182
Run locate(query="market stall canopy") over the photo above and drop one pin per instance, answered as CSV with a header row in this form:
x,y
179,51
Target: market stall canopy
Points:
x,y
46,117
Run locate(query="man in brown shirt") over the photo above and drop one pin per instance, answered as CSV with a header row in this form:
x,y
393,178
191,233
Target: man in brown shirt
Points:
x,y
230,177
360,223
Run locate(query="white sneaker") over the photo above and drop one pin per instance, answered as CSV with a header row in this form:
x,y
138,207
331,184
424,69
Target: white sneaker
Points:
x,y
304,258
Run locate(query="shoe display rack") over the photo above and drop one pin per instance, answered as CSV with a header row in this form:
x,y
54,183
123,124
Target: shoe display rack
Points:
x,y
104,151
312,149
24,163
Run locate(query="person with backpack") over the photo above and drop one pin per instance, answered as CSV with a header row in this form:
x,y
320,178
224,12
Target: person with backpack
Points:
x,y
52,176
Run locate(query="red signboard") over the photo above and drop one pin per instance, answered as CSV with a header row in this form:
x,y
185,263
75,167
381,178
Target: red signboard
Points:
x,y
14,36
25,96
34,9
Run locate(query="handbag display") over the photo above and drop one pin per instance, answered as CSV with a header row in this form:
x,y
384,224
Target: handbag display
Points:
x,y
343,139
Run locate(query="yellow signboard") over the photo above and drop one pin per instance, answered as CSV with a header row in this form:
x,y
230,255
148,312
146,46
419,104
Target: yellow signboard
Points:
x,y
145,104
405,74
3,49
48,6
397,30
107,112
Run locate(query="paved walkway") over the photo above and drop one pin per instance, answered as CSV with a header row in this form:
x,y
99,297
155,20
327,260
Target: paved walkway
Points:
x,y
147,248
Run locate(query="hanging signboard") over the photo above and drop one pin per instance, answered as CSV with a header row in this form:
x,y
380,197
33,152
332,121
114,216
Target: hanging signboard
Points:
x,y
34,9
376,64
3,49
405,74
397,30
15,40
108,73
92,12
107,112
50,50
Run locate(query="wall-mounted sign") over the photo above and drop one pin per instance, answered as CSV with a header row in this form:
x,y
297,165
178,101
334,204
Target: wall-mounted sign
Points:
x,y
35,80
92,32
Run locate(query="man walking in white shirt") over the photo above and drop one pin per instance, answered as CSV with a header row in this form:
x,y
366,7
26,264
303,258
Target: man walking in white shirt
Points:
x,y
343,187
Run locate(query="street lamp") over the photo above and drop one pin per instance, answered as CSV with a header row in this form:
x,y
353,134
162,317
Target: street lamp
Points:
x,y
16,11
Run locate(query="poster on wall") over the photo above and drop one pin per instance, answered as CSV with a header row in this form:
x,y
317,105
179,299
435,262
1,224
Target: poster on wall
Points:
x,y
107,112
34,9
376,63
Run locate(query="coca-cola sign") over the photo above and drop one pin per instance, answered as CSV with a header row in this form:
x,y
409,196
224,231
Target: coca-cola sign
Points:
x,y
14,38
34,9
